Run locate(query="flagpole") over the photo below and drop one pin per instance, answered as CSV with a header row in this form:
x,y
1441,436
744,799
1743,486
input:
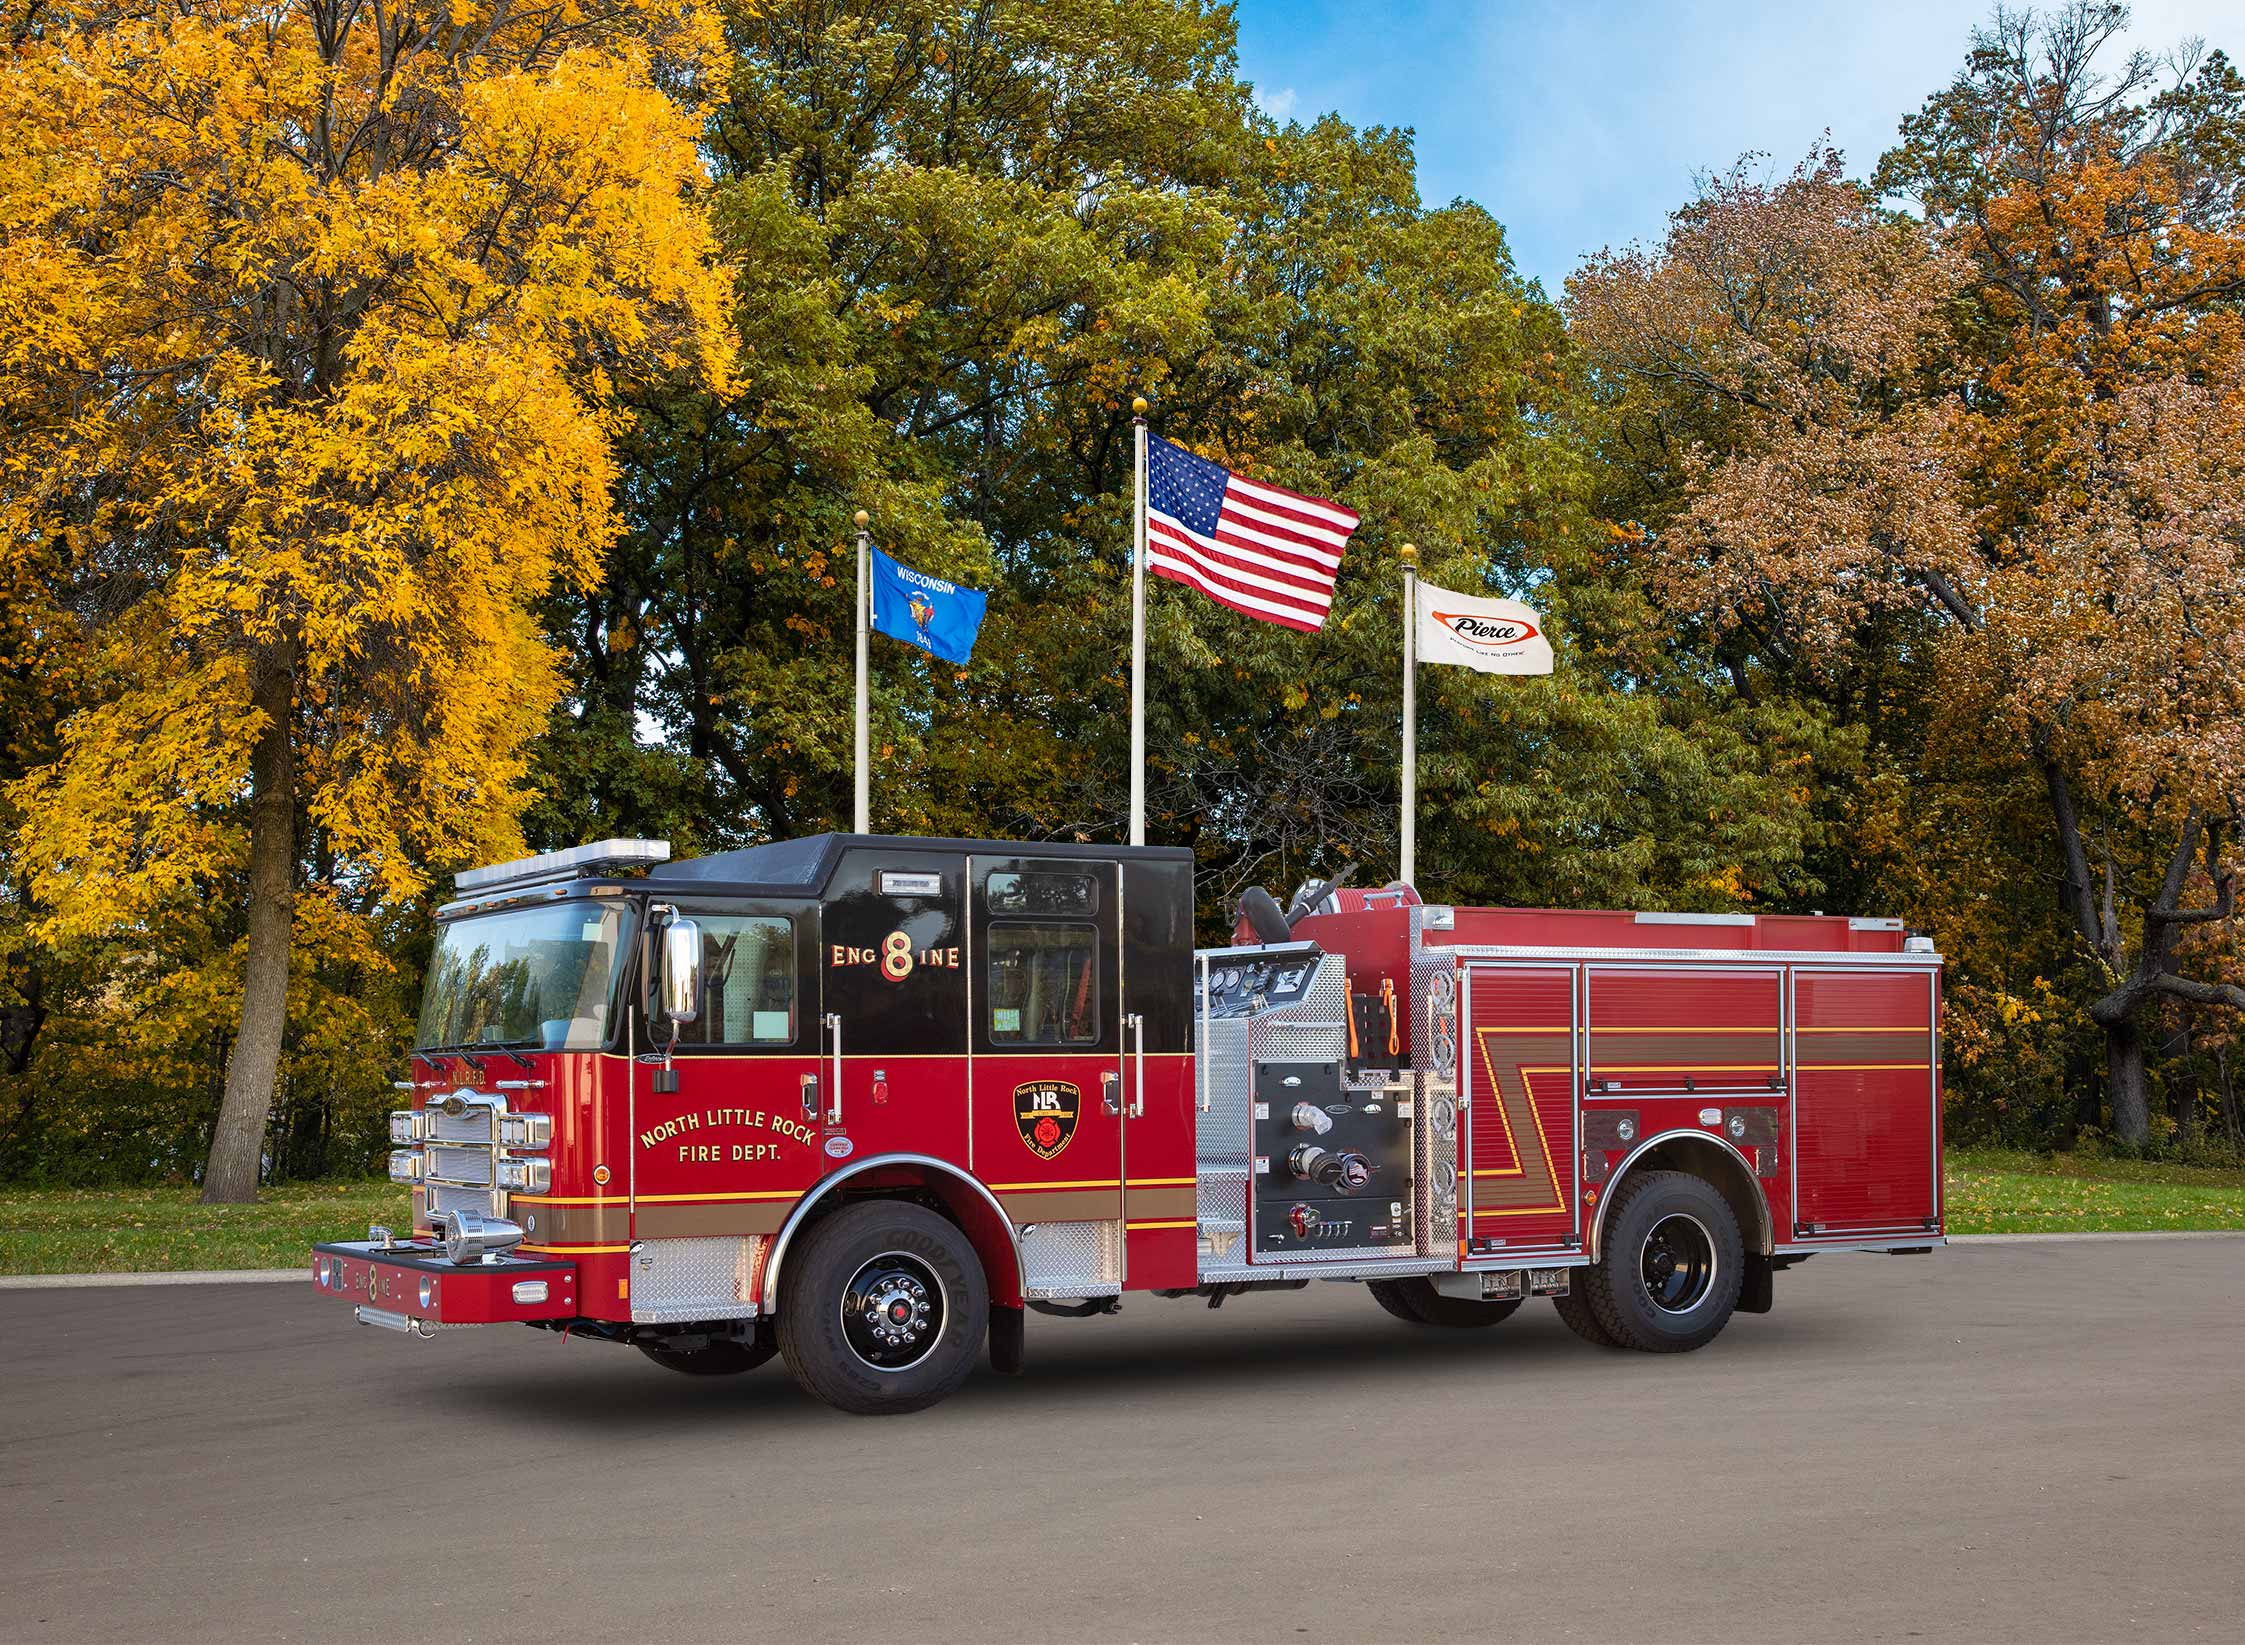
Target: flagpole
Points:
x,y
864,811
1138,629
1410,558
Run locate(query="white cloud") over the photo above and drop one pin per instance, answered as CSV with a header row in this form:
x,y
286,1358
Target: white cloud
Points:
x,y
1279,104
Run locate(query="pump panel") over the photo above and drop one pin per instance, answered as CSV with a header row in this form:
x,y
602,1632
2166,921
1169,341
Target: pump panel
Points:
x,y
1332,1161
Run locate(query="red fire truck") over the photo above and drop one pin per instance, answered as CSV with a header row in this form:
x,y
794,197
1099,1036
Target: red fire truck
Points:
x,y
860,1101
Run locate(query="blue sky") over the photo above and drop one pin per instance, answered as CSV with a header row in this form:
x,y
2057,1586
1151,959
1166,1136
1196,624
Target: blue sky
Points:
x,y
1580,126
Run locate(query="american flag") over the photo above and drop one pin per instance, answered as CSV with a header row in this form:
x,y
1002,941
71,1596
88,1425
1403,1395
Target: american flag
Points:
x,y
1257,548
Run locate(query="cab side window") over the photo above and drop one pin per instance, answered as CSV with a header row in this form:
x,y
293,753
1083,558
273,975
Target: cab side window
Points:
x,y
1044,983
748,981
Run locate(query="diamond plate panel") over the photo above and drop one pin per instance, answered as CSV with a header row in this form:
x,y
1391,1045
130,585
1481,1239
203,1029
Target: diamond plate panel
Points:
x,y
1434,1162
1434,1010
677,1280
1072,1259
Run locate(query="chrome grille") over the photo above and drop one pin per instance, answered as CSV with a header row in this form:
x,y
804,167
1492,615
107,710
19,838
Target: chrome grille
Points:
x,y
469,1167
488,1202
472,1125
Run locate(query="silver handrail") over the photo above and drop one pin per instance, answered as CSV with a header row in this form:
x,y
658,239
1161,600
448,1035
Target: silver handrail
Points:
x,y
833,1023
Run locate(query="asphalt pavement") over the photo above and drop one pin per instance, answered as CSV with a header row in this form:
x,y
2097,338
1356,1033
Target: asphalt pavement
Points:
x,y
2032,1442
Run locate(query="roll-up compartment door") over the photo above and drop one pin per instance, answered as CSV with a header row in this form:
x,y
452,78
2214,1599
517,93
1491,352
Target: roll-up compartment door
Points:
x,y
1864,1054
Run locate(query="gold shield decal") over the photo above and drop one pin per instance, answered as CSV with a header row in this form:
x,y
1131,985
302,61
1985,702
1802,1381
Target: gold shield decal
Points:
x,y
1046,1112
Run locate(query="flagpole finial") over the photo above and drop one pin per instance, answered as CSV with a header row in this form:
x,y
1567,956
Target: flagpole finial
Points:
x,y
1138,405
862,518
1408,553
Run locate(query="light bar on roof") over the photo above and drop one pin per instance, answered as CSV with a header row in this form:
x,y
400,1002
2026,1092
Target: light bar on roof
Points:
x,y
563,865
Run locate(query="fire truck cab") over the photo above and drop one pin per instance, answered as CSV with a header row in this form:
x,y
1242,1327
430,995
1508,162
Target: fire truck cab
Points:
x,y
861,1101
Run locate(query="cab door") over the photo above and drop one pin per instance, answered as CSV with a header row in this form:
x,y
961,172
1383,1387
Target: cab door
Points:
x,y
1051,1080
724,1140
893,989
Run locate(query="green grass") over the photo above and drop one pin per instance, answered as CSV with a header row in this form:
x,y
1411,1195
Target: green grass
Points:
x,y
149,1230
1999,1192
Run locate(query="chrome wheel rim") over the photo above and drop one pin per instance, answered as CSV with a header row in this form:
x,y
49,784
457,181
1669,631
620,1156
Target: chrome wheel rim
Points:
x,y
893,1311
1677,1263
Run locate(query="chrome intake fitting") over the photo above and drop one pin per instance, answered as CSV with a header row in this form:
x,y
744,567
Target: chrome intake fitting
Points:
x,y
469,1237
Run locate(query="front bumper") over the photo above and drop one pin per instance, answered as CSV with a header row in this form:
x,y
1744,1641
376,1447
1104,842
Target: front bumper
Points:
x,y
416,1287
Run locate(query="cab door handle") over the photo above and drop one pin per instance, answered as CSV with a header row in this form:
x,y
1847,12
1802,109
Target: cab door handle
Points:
x,y
1137,1026
1110,1091
834,1110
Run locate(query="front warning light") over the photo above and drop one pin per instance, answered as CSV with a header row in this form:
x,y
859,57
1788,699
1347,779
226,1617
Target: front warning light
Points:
x,y
525,1176
405,1165
405,1125
525,1130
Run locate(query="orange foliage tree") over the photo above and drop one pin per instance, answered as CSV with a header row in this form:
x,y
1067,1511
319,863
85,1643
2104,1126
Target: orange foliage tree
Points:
x,y
2004,442
313,321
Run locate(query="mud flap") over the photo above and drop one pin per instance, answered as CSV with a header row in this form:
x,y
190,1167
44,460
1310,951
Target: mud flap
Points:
x,y
1759,1288
1009,1347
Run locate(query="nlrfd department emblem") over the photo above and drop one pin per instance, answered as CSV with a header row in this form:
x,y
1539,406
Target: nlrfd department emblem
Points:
x,y
1046,1112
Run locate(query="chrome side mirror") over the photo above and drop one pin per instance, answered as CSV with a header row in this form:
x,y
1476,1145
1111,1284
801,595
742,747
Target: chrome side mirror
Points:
x,y
681,992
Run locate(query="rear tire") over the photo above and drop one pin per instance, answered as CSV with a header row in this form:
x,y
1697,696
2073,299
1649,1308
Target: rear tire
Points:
x,y
722,1357
1417,1301
1668,1277
1574,1307
885,1311
1389,1295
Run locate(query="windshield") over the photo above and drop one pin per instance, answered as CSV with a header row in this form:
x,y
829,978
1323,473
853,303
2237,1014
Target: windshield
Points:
x,y
539,978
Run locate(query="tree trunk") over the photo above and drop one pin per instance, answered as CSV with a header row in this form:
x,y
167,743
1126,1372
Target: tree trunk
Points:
x,y
239,1141
2229,1096
2124,1082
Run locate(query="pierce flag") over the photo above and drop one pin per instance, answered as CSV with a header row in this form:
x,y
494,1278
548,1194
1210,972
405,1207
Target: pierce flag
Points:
x,y
939,617
1494,636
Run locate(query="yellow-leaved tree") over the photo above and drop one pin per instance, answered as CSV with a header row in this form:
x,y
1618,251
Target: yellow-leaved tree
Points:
x,y
315,319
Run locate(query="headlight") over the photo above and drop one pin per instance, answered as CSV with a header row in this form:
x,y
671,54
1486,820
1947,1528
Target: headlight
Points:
x,y
526,1176
526,1130
405,1125
405,1165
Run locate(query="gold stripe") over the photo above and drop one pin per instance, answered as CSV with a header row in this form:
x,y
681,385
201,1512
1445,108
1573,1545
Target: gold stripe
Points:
x,y
656,1199
1922,1028
1165,1202
1033,1187
1684,1068
701,1221
1855,1067
1136,1227
575,1250
1625,1028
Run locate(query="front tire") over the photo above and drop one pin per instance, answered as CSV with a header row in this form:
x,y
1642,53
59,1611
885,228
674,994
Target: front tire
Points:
x,y
1417,1301
885,1311
1668,1277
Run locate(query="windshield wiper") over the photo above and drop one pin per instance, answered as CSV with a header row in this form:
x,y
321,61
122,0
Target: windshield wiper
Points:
x,y
432,1052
